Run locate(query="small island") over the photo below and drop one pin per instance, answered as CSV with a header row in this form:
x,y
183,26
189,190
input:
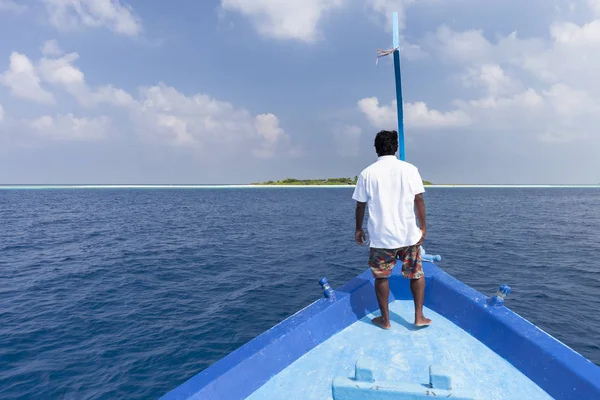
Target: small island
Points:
x,y
316,182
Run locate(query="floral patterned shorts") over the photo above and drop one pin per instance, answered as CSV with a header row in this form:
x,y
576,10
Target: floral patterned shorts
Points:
x,y
382,261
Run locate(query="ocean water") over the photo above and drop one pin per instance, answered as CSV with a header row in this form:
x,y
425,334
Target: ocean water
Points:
x,y
126,293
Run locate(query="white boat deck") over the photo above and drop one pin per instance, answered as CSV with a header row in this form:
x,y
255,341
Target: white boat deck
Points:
x,y
402,354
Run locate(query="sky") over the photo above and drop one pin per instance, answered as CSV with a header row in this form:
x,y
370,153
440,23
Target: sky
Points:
x,y
240,91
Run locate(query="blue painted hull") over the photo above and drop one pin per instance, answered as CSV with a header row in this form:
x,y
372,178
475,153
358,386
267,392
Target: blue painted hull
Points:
x,y
558,370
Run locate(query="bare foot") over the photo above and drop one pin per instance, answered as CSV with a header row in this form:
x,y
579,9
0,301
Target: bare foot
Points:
x,y
379,322
422,321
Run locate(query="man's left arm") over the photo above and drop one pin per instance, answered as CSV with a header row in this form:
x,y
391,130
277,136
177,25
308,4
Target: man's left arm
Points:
x,y
418,190
420,211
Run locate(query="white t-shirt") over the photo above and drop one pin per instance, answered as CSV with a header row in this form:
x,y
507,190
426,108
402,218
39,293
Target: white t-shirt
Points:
x,y
389,187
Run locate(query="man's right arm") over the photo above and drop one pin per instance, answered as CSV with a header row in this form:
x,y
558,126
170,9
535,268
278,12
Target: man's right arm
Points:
x,y
359,234
360,195
420,211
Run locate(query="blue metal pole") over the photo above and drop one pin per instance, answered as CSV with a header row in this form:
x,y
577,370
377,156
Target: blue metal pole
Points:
x,y
401,150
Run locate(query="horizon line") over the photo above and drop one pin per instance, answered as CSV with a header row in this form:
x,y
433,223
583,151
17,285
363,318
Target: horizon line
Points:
x,y
250,186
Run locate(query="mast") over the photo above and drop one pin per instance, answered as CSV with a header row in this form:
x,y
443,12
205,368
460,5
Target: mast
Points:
x,y
396,38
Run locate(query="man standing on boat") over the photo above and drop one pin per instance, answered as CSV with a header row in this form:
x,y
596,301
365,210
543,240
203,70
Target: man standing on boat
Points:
x,y
393,191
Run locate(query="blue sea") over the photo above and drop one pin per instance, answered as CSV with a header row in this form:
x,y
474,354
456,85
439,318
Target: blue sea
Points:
x,y
127,293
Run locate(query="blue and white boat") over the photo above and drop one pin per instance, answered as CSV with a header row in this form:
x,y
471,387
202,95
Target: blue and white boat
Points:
x,y
476,348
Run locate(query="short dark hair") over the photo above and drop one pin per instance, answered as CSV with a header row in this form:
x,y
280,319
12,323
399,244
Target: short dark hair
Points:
x,y
386,143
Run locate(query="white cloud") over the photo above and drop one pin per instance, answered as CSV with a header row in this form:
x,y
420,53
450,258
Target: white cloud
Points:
x,y
594,6
51,48
571,57
166,115
63,73
160,114
492,78
23,80
416,115
267,127
527,99
176,127
562,102
300,19
69,127
112,95
467,46
576,35
571,103
1,113
347,140
110,14
289,19
472,48
557,115
11,5
381,117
